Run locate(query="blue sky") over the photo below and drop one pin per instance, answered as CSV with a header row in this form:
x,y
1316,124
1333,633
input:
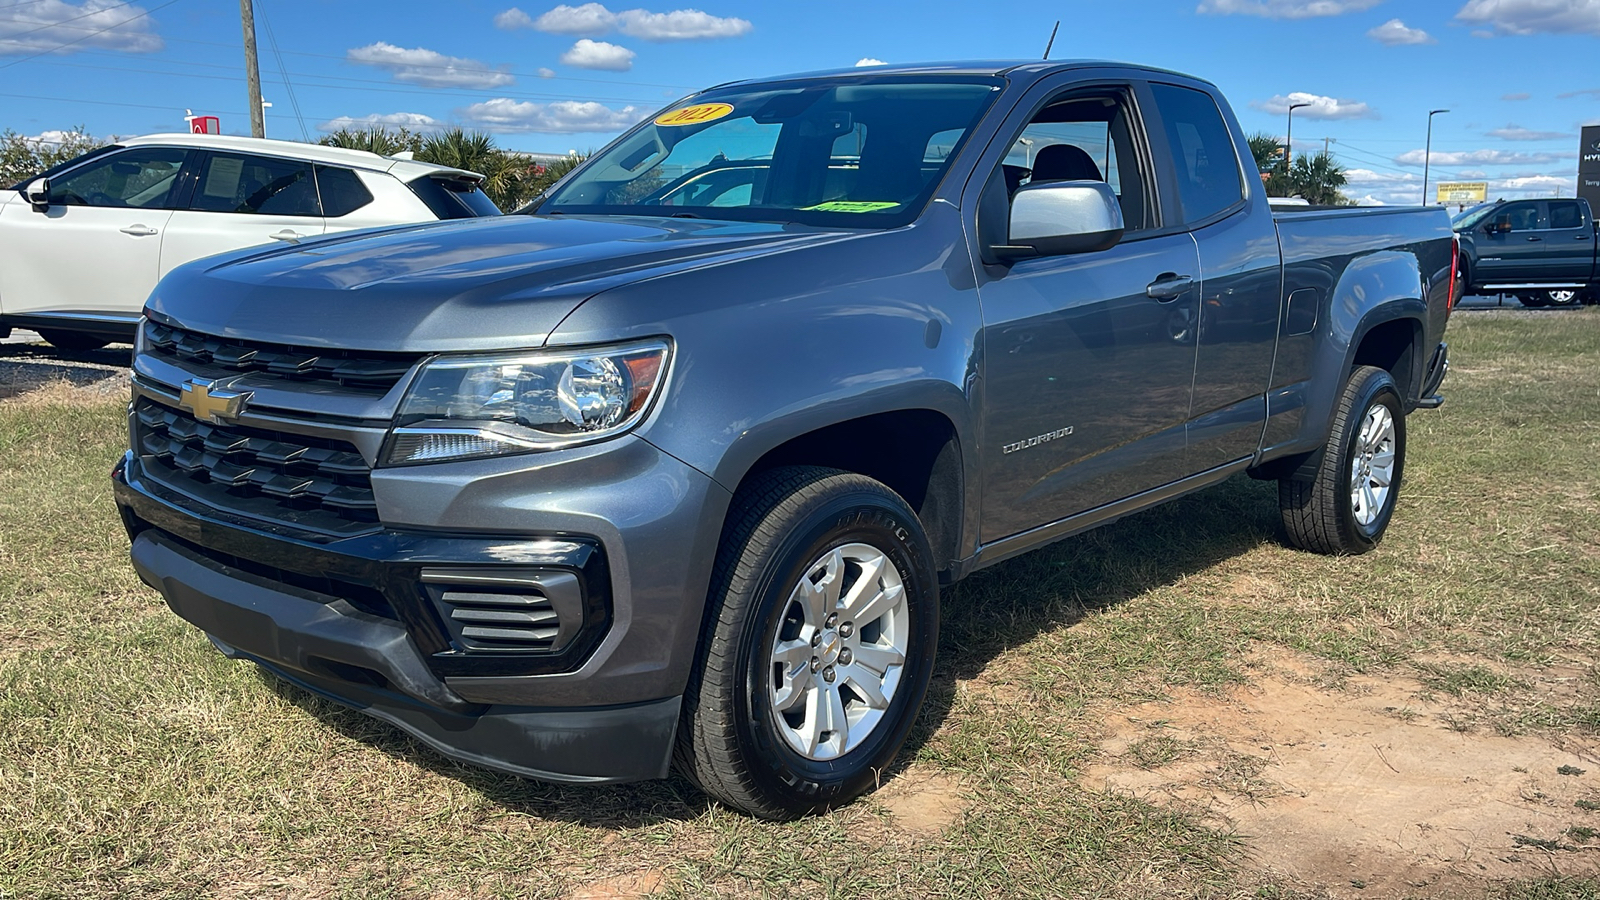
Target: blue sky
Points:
x,y
1517,75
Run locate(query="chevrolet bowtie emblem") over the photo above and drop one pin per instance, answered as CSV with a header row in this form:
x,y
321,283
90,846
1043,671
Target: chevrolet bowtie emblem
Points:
x,y
211,405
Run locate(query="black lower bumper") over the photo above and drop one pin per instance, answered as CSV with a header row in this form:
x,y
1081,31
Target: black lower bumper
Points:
x,y
366,662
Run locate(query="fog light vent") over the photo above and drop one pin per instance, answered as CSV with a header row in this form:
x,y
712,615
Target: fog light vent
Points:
x,y
508,611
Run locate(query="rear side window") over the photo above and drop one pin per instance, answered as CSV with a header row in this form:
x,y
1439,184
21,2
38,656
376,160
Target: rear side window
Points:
x,y
1203,152
1565,214
341,190
256,185
453,198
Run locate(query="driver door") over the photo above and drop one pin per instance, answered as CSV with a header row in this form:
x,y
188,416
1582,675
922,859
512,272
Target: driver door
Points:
x,y
97,247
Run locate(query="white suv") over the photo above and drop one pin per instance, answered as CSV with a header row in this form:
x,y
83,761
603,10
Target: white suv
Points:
x,y
82,245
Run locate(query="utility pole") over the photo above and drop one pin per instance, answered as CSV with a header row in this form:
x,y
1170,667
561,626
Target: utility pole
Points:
x,y
252,71
1326,143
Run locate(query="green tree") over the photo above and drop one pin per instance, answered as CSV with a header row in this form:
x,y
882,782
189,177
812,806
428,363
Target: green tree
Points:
x,y
1318,178
505,175
22,158
381,141
1267,150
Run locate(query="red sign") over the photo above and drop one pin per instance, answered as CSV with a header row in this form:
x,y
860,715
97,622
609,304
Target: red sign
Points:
x,y
205,125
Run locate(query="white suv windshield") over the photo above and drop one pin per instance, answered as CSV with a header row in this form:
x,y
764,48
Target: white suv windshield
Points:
x,y
864,153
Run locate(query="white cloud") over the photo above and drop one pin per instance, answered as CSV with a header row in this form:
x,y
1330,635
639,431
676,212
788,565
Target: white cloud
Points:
x,y
594,20
546,72
1321,107
1480,158
869,61
408,120
587,54
1516,97
679,25
590,18
1540,184
1284,9
1518,133
513,19
1533,16
1590,92
429,68
44,25
1394,33
504,115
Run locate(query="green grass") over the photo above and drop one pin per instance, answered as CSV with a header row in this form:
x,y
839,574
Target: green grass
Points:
x,y
136,761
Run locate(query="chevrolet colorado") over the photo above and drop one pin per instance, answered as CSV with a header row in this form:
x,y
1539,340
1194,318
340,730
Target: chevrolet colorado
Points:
x,y
674,466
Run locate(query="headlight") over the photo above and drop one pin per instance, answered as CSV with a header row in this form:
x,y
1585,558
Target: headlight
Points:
x,y
491,405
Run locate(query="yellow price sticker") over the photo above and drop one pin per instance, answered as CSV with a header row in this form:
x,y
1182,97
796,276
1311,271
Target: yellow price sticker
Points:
x,y
695,115
852,206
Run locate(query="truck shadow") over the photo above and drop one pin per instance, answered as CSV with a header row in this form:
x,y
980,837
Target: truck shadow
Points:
x,y
999,608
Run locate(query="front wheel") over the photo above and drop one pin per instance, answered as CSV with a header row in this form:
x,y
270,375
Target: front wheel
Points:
x,y
1568,297
1346,508
818,648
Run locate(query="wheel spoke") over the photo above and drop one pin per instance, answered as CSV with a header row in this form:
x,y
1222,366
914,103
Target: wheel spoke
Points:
x,y
868,686
881,603
811,730
835,719
819,599
1369,500
798,686
878,659
1383,460
1380,477
865,588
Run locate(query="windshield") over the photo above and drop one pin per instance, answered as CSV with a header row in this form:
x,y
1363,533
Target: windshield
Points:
x,y
1469,220
856,153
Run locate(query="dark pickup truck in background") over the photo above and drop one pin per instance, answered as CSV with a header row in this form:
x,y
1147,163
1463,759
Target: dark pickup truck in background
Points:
x,y
676,464
1542,251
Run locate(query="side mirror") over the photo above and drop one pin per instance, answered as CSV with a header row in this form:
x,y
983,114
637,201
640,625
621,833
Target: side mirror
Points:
x,y
37,193
1061,217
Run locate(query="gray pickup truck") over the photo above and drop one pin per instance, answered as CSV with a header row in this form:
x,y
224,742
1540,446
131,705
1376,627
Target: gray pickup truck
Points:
x,y
673,467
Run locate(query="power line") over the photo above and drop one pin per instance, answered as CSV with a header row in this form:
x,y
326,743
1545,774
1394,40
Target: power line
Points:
x,y
289,88
18,62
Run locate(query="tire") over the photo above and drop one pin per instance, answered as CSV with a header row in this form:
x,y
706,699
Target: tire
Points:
x,y
1533,301
1569,297
76,341
790,529
1324,515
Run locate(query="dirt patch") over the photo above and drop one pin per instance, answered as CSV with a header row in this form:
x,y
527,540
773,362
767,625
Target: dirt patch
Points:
x,y
1371,791
622,887
47,383
923,802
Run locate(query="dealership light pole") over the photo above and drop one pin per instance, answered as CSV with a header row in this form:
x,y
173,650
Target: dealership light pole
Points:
x,y
1288,149
1427,153
252,71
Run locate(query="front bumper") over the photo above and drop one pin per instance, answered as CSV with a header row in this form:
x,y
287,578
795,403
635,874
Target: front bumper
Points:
x,y
361,619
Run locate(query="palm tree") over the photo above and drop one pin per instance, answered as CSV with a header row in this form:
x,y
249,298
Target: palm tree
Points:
x,y
506,176
1267,150
1318,178
381,141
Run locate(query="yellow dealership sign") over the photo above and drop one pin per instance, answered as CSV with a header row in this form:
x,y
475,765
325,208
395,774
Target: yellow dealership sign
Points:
x,y
1463,191
694,115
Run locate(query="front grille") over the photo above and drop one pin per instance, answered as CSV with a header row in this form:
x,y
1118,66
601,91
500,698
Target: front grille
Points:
x,y
367,372
306,482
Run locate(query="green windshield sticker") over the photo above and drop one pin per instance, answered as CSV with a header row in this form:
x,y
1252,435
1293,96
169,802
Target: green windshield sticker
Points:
x,y
852,206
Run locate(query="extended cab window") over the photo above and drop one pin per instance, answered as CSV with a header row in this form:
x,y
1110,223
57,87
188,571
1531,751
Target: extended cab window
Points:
x,y
256,185
1203,152
1566,214
865,154
141,178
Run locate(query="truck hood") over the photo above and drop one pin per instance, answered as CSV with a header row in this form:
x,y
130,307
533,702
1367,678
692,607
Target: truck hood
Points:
x,y
474,284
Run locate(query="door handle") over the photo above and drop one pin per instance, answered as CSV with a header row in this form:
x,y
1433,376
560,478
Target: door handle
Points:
x,y
1168,287
288,236
1535,238
138,230
1580,237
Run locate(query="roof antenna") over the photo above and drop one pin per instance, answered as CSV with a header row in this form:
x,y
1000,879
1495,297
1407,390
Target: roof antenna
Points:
x,y
1052,39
